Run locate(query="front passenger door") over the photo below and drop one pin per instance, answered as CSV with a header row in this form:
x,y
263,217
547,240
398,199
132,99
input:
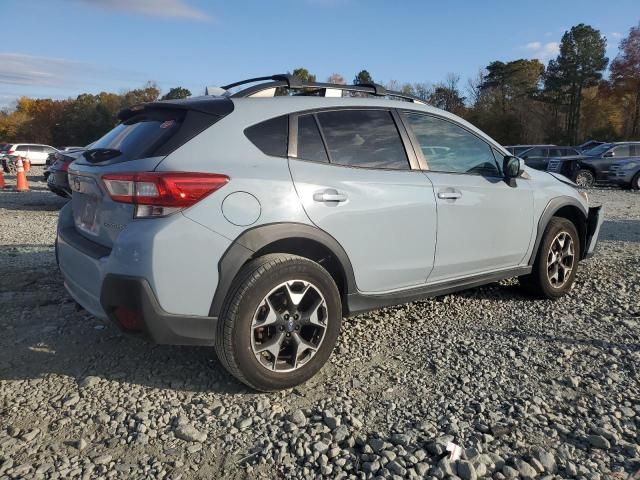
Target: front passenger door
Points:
x,y
484,224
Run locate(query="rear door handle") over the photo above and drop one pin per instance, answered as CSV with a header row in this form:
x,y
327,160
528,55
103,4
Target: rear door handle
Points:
x,y
450,195
329,195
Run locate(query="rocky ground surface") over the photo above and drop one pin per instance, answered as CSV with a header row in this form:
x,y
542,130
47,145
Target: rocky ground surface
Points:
x,y
527,388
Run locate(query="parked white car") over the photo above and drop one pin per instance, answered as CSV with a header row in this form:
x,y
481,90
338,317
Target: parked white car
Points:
x,y
36,153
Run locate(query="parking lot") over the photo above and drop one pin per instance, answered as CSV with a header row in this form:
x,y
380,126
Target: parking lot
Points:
x,y
528,388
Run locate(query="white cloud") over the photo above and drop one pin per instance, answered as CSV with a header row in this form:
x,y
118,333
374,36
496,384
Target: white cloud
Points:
x,y
543,51
154,8
19,69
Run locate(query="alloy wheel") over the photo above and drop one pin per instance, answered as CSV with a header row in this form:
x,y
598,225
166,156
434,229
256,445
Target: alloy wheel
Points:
x,y
289,326
584,178
560,260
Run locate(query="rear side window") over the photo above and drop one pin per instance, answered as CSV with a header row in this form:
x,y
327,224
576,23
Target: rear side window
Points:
x,y
363,138
140,136
310,145
22,148
535,152
271,136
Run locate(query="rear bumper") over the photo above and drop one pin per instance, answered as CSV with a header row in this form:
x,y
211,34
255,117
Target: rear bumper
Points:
x,y
165,270
164,328
594,221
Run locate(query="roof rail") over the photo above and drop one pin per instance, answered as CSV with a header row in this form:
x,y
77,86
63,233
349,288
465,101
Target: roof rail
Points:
x,y
292,82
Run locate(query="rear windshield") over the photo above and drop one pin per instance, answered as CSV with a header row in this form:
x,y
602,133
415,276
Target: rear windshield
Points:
x,y
138,137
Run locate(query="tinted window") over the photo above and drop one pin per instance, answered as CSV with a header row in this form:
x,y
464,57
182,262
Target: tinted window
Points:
x,y
363,138
138,137
48,149
310,146
557,152
635,150
271,136
622,151
457,150
36,148
535,152
22,148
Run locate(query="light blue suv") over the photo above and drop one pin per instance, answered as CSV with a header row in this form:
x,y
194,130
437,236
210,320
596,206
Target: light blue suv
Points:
x,y
254,222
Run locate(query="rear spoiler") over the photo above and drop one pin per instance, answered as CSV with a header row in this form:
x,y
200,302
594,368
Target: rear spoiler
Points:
x,y
218,106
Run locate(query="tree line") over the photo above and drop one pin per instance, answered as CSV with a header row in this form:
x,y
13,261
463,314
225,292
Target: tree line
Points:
x,y
516,102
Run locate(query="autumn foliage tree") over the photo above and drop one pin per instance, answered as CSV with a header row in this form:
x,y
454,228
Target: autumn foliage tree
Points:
x,y
625,76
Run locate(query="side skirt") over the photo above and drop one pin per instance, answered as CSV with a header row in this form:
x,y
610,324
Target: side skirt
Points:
x,y
358,302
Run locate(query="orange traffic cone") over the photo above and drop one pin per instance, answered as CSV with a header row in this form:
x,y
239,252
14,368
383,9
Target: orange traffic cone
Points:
x,y
27,164
21,178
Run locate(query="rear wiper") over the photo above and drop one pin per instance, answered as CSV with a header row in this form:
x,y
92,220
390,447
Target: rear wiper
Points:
x,y
101,154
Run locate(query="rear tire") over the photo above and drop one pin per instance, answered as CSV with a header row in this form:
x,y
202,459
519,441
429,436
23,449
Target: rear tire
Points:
x,y
280,322
635,182
585,178
556,263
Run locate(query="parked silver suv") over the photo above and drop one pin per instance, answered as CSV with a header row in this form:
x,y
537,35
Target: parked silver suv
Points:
x,y
255,224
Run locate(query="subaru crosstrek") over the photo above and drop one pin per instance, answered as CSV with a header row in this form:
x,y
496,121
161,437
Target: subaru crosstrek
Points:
x,y
254,222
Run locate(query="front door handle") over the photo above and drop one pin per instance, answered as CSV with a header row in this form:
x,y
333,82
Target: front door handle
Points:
x,y
450,195
329,195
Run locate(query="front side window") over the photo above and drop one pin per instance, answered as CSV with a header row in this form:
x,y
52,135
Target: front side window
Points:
x,y
455,150
622,151
363,138
310,145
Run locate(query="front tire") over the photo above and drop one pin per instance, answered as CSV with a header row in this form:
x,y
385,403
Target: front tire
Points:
x,y
585,178
635,182
556,263
280,322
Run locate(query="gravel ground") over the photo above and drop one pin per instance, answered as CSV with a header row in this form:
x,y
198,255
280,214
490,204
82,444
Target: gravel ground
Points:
x,y
527,388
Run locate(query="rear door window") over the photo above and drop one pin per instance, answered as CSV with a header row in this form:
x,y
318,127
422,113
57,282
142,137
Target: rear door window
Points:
x,y
363,138
310,144
22,148
271,136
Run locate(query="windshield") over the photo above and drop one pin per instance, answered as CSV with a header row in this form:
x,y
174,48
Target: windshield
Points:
x,y
599,150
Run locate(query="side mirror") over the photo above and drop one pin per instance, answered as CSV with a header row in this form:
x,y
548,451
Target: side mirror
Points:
x,y
512,166
610,154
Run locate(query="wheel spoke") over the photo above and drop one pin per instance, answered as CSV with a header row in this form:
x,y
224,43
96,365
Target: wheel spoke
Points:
x,y
296,297
312,315
272,315
273,346
301,347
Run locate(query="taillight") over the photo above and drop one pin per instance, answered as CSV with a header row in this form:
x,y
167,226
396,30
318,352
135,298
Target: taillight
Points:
x,y
11,152
161,193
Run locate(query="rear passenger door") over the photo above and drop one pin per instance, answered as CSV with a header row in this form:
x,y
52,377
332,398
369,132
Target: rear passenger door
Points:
x,y
356,182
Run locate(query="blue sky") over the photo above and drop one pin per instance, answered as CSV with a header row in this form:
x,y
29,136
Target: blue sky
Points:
x,y
60,48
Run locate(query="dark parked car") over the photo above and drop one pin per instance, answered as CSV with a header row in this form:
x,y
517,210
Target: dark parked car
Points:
x,y
626,173
56,173
518,149
593,166
538,157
